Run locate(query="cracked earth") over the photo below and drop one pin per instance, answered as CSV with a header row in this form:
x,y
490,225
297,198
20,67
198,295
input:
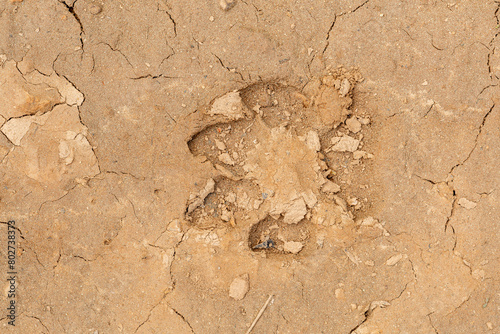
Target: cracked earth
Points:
x,y
170,165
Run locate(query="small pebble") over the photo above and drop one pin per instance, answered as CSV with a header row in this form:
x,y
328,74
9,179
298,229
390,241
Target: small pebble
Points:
x,y
394,259
220,145
352,201
345,87
239,287
227,4
293,247
95,9
330,188
465,203
368,221
353,124
225,158
364,120
339,294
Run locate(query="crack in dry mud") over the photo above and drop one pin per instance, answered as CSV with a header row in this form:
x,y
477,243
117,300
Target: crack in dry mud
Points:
x,y
57,261
480,129
328,34
368,313
183,319
432,323
114,49
270,20
492,48
57,199
150,312
71,10
169,16
229,69
40,321
332,25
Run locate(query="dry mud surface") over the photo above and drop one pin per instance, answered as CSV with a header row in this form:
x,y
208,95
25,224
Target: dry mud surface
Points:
x,y
194,166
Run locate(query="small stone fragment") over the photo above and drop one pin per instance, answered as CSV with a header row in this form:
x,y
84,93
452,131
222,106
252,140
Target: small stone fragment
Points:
x,y
225,172
212,238
197,200
368,221
330,188
309,197
353,257
352,201
478,274
465,203
95,9
312,141
344,144
227,4
361,154
293,246
394,259
320,240
225,158
379,303
340,202
345,87
295,212
364,120
239,287
327,214
358,155
229,105
226,215
353,124
243,200
220,145
231,197
339,293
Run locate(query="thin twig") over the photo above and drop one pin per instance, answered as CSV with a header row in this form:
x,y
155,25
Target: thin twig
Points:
x,y
259,315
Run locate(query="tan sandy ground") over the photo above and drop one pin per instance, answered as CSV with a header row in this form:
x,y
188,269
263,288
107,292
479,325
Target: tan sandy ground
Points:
x,y
169,165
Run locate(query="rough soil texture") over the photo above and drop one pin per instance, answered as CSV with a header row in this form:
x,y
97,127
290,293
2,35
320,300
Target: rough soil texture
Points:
x,y
172,164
